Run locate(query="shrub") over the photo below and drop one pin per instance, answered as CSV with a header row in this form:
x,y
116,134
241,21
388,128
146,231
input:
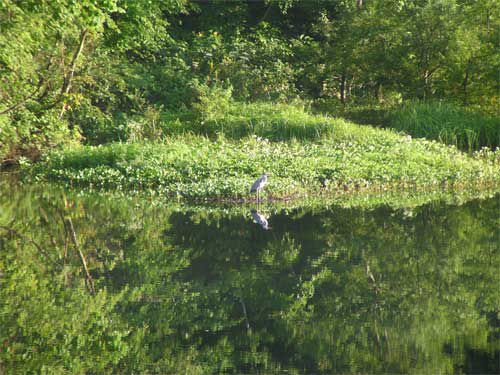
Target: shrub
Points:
x,y
97,126
256,64
8,137
23,133
210,101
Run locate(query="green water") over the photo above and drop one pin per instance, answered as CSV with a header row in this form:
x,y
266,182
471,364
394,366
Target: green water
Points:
x,y
175,289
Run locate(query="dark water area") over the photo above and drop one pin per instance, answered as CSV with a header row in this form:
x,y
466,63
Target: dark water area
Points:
x,y
100,284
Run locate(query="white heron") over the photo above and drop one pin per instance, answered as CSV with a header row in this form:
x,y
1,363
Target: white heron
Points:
x,y
259,185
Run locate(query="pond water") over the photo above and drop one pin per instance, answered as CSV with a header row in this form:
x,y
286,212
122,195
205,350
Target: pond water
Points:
x,y
93,283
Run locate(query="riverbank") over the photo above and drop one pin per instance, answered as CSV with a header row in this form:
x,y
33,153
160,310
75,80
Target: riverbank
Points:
x,y
342,157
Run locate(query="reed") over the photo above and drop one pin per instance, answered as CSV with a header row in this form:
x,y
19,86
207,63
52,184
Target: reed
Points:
x,y
447,123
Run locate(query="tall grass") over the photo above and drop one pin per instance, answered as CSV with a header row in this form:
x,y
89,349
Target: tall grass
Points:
x,y
447,123
276,122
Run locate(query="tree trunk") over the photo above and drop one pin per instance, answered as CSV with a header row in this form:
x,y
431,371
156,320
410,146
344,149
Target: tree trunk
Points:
x,y
465,85
349,88
426,84
488,22
379,94
69,76
342,88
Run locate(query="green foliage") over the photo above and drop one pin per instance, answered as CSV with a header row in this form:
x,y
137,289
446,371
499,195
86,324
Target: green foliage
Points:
x,y
218,114
57,73
366,113
468,130
24,133
40,46
258,65
98,126
8,137
210,102
131,69
197,167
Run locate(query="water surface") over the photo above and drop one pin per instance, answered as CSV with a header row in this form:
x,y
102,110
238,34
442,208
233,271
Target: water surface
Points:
x,y
172,289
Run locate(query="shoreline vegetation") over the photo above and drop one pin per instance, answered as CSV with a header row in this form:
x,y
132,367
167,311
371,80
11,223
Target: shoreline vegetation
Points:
x,y
218,158
361,199
467,129
197,99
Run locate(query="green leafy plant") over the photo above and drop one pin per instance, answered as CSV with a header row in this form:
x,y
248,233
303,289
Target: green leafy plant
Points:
x,y
343,156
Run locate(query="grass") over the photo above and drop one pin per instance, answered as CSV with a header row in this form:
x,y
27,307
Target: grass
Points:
x,y
276,122
447,123
318,151
361,113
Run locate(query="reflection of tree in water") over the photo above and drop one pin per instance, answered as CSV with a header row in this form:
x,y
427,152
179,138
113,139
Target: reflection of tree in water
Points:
x,y
334,291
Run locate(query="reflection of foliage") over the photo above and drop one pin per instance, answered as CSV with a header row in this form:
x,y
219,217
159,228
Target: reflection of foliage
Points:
x,y
340,290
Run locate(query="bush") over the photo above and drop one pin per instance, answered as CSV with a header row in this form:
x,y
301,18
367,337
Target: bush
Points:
x,y
256,64
97,126
23,133
450,124
8,137
210,101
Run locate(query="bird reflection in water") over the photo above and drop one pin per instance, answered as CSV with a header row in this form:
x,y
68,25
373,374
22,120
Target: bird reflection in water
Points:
x,y
259,219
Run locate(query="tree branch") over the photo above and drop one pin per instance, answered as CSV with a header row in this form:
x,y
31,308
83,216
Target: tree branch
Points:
x,y
69,77
90,282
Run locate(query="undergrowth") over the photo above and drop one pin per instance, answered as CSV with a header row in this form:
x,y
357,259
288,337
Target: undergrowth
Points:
x,y
447,123
276,122
192,166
